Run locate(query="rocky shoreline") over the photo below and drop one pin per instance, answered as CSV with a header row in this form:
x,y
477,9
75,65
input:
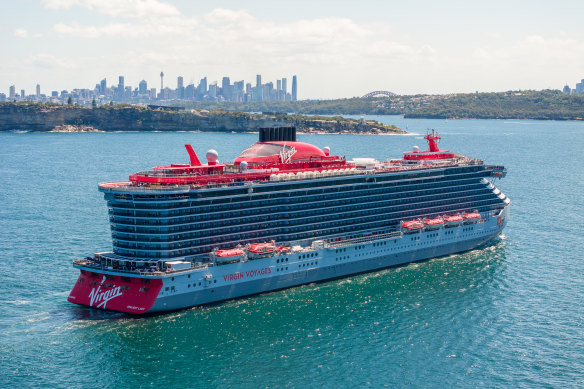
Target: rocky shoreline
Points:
x,y
74,128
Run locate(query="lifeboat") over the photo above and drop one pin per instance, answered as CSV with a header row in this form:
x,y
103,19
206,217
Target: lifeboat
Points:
x,y
261,250
453,221
228,256
471,217
433,224
412,226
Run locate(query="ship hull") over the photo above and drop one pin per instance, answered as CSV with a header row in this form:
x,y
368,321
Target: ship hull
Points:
x,y
226,282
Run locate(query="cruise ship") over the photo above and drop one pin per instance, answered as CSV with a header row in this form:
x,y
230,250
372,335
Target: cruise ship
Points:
x,y
282,214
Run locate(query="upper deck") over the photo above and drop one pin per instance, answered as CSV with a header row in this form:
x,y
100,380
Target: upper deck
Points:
x,y
279,157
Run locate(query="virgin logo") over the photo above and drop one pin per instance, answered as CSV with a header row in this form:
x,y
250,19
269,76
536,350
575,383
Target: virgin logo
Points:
x,y
100,298
286,154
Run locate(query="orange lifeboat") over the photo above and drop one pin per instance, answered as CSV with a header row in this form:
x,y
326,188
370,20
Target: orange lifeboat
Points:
x,y
227,256
261,250
433,224
412,226
471,217
453,221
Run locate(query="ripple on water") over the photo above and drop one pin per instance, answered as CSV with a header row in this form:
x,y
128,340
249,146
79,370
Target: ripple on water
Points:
x,y
505,315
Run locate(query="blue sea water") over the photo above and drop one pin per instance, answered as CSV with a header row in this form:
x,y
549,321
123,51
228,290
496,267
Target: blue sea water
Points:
x,y
507,315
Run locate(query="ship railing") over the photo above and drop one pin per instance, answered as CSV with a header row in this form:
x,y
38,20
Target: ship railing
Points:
x,y
106,186
94,264
332,243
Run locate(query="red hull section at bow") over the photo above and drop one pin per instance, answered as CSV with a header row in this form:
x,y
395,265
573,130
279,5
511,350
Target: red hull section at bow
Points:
x,y
122,294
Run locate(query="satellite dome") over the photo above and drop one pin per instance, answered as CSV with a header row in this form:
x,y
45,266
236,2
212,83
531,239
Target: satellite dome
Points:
x,y
416,149
326,150
212,156
243,165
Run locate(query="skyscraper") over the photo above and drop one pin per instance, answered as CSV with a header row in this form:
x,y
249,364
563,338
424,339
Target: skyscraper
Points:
x,y
213,90
279,90
284,87
143,87
580,88
22,93
190,91
103,86
38,91
202,89
259,94
566,89
226,88
161,81
294,88
12,93
121,82
180,89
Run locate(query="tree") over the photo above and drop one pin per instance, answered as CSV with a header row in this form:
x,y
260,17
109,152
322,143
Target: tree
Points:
x,y
69,100
93,103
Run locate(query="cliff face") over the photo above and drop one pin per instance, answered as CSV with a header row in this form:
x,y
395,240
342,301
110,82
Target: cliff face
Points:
x,y
35,118
40,117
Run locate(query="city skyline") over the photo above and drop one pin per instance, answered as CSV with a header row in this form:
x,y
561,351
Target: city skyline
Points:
x,y
337,49
238,91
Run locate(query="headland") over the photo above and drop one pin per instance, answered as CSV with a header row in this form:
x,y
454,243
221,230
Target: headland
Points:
x,y
46,117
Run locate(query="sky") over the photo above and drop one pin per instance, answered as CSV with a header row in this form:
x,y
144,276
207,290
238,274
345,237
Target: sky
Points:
x,y
336,48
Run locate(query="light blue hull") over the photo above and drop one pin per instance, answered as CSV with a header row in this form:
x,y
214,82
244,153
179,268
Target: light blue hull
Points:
x,y
218,283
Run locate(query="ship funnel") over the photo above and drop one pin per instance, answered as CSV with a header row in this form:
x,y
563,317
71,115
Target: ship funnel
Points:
x,y
193,156
270,134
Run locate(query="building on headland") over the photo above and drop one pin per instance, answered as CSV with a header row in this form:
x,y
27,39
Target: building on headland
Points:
x,y
579,90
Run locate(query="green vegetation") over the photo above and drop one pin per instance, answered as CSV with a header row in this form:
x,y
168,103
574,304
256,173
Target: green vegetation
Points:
x,y
546,104
352,106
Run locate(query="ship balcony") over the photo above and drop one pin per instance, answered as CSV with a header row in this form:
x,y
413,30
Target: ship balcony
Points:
x,y
218,235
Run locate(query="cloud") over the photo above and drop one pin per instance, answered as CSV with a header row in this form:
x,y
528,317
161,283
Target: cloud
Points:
x,y
20,33
234,35
118,8
47,61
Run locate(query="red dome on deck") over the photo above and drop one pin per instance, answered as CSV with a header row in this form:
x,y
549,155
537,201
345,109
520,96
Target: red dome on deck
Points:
x,y
279,151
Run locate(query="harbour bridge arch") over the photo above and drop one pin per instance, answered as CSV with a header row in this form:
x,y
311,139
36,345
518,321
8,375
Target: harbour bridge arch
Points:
x,y
379,93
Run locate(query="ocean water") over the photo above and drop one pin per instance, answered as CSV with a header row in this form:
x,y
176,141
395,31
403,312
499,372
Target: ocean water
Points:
x,y
507,315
